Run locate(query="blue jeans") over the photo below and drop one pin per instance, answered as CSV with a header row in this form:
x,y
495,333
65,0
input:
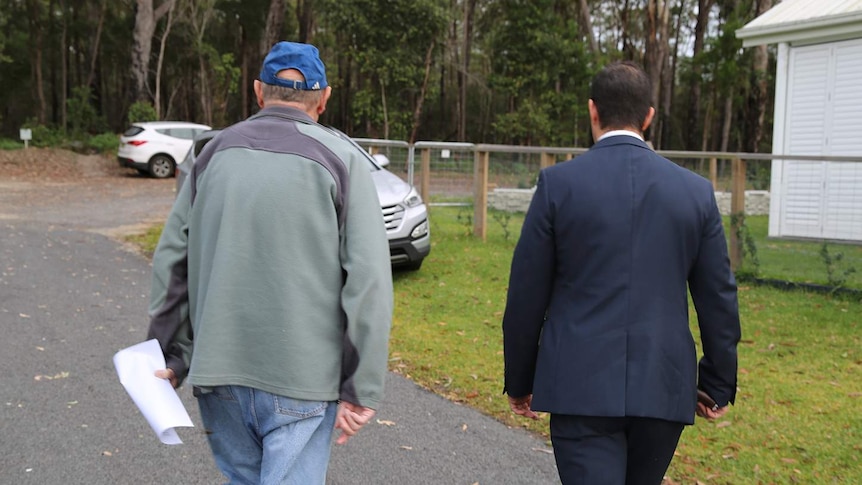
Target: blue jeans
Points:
x,y
262,438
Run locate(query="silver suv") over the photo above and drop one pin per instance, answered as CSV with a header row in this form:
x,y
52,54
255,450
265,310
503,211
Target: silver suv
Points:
x,y
404,213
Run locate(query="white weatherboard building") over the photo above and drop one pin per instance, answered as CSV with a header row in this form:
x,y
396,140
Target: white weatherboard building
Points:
x,y
818,111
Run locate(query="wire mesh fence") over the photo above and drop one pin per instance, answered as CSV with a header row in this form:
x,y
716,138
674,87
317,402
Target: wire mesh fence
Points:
x,y
790,220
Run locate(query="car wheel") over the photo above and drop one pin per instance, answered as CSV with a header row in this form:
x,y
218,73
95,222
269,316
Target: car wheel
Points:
x,y
162,166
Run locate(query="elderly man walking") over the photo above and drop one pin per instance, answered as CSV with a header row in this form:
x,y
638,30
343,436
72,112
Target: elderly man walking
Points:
x,y
272,287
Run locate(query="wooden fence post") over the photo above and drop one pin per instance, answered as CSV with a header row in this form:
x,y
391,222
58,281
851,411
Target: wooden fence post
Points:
x,y
737,212
425,187
713,173
480,196
547,160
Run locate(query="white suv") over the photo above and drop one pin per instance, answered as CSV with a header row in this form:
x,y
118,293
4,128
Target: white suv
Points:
x,y
155,147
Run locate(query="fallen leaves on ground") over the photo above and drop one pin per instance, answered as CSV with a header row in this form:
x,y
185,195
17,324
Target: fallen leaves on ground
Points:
x,y
61,375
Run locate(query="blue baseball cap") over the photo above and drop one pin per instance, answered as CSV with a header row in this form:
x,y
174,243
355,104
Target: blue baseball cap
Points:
x,y
292,55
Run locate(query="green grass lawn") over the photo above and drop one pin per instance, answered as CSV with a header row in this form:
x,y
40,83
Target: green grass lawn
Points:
x,y
797,417
802,261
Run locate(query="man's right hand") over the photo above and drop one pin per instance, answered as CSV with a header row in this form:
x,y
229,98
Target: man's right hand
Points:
x,y
704,412
168,374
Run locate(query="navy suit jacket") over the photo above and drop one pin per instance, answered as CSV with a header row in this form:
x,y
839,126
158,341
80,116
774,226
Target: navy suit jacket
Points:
x,y
596,321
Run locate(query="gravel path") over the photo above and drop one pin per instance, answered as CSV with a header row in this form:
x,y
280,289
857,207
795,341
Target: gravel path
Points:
x,y
89,193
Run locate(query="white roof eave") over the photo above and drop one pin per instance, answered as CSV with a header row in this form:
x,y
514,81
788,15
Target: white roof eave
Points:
x,y
825,28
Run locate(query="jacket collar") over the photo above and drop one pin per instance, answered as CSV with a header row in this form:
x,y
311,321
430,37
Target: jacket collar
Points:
x,y
620,140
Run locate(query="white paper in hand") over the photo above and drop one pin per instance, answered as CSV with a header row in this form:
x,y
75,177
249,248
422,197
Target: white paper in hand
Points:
x,y
155,397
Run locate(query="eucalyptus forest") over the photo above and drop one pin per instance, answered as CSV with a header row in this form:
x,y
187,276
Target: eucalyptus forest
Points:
x,y
482,71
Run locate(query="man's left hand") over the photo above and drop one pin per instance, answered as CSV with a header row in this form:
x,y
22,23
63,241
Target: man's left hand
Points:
x,y
521,406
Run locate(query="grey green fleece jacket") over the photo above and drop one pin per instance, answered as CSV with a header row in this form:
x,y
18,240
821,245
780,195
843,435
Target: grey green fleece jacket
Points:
x,y
273,268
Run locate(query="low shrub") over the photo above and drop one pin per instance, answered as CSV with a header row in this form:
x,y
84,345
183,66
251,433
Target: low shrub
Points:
x,y
9,144
103,143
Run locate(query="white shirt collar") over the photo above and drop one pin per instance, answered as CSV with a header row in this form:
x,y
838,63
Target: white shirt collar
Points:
x,y
620,132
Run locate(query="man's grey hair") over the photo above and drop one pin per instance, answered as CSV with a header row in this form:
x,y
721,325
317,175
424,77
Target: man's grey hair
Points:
x,y
279,93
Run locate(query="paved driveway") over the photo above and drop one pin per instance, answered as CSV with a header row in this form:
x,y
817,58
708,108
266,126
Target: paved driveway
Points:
x,y
71,296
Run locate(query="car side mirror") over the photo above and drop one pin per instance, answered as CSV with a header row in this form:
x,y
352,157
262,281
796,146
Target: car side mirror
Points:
x,y
381,159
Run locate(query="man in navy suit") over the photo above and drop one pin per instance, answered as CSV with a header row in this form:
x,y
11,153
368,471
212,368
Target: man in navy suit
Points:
x,y
596,328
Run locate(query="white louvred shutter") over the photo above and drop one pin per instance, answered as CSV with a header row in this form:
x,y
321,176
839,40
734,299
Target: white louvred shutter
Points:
x,y
843,181
802,182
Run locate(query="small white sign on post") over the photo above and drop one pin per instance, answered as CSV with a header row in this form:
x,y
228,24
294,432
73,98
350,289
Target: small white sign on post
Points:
x,y
26,135
445,153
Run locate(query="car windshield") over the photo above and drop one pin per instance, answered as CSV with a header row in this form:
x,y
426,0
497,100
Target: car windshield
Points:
x,y
369,160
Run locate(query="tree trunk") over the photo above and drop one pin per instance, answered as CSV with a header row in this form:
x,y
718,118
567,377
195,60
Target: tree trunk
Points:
x,y
274,26
464,71
305,17
668,83
417,113
35,23
656,45
94,51
656,55
162,45
758,98
694,98
728,121
64,67
146,19
628,51
247,73
385,109
586,26
198,15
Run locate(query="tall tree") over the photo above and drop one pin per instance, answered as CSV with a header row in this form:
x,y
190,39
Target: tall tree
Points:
x,y
274,25
306,18
420,101
694,100
586,27
539,77
163,42
64,65
97,38
668,77
758,98
500,71
385,63
34,11
656,58
469,9
199,14
249,18
146,18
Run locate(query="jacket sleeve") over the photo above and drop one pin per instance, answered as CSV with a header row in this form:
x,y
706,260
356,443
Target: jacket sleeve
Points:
x,y
713,290
530,283
366,296
169,296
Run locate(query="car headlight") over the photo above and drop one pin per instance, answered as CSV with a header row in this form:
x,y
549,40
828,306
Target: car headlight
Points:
x,y
413,198
420,230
